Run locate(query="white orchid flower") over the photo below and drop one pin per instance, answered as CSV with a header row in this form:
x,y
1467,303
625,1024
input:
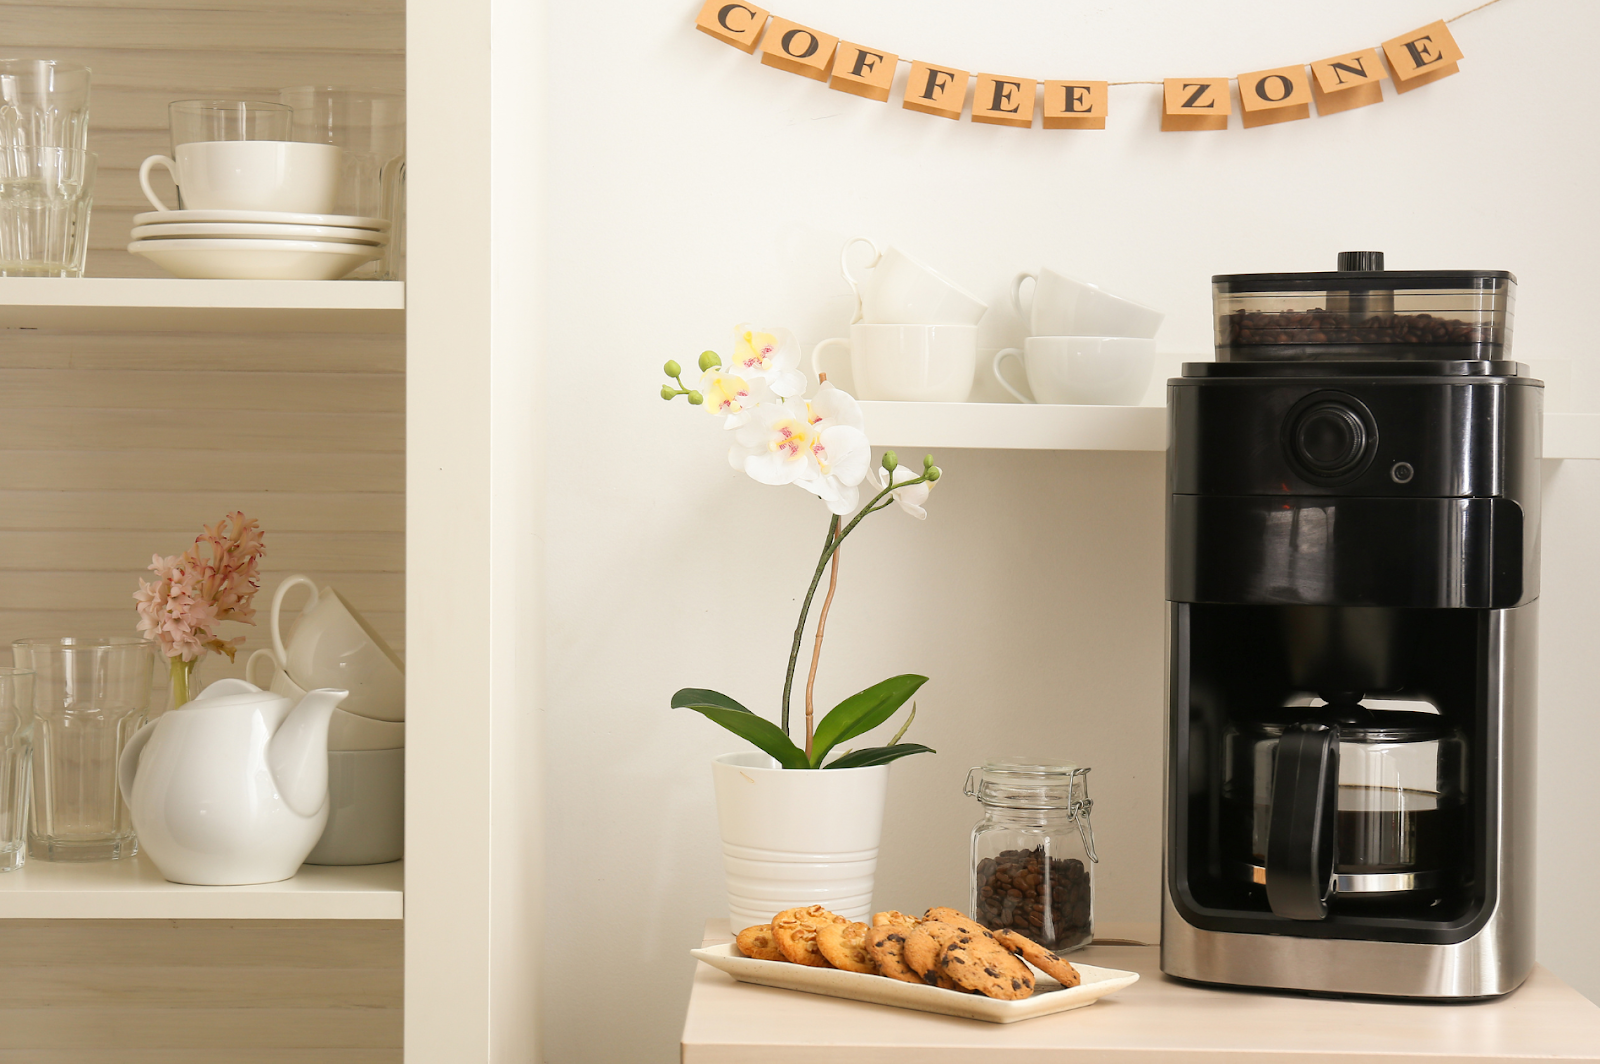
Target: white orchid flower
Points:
x,y
732,396
771,355
910,499
843,455
775,445
834,406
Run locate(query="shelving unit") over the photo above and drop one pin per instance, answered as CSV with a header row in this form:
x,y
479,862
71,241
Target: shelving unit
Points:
x,y
1016,426
134,890
171,304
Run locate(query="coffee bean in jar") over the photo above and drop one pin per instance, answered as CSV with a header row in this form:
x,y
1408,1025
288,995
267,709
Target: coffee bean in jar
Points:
x,y
1045,898
1033,853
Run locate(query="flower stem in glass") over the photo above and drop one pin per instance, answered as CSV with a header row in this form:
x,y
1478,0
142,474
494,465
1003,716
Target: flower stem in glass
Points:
x,y
181,672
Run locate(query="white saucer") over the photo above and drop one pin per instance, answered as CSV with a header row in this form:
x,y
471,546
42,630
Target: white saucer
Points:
x,y
256,260
234,230
268,217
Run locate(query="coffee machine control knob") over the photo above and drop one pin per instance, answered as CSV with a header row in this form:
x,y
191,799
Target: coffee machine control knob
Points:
x,y
1331,436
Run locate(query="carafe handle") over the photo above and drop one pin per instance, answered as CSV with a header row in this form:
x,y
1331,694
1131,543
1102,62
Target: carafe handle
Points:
x,y
1300,826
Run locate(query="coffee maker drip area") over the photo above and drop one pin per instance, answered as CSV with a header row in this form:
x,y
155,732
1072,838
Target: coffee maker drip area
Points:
x,y
1352,576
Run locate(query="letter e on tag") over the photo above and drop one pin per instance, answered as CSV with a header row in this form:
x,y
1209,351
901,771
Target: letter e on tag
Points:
x,y
737,24
1347,81
863,71
1282,94
1003,101
1190,104
1422,56
935,90
1075,104
798,49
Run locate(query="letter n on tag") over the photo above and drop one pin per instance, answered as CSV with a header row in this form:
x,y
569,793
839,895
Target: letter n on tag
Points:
x,y
1194,104
1075,104
936,90
1279,95
733,23
798,49
1347,81
1422,56
1003,101
863,71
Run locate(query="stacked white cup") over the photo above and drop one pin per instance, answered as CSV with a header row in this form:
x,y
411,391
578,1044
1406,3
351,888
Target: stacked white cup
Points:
x,y
1085,345
914,337
332,645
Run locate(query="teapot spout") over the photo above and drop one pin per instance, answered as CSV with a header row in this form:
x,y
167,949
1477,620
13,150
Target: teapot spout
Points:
x,y
298,753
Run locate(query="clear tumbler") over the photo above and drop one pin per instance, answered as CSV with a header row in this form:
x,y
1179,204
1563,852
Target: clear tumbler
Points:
x,y
89,697
45,198
44,103
16,765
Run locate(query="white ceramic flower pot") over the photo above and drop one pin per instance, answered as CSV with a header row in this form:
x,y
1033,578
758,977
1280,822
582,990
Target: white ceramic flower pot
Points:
x,y
795,837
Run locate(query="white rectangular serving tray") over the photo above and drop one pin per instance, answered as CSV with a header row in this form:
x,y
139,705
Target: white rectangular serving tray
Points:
x,y
1048,997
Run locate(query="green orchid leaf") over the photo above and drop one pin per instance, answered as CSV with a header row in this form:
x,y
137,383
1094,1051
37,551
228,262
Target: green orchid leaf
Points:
x,y
758,730
879,755
695,697
862,712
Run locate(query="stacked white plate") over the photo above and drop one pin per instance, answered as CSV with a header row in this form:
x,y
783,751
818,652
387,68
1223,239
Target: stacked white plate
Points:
x,y
258,245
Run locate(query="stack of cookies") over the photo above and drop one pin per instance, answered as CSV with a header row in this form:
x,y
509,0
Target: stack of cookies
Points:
x,y
943,949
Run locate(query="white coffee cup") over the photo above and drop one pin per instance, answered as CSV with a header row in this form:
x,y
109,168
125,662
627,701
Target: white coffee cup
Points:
x,y
250,175
1082,370
909,363
1062,306
346,731
902,291
333,645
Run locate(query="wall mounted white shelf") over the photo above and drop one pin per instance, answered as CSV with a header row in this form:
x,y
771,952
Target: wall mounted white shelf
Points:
x,y
171,304
1015,426
134,890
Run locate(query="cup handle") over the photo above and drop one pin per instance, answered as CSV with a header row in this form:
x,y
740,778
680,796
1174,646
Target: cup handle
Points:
x,y
250,668
1001,377
844,268
1016,295
816,354
144,178
278,650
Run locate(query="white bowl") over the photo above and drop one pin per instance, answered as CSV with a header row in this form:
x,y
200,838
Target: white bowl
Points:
x,y
244,230
268,217
366,809
256,260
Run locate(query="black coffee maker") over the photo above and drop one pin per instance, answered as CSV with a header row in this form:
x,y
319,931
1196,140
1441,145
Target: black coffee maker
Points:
x,y
1352,569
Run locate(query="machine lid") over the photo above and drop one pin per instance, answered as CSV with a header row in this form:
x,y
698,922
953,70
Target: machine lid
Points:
x,y
1362,271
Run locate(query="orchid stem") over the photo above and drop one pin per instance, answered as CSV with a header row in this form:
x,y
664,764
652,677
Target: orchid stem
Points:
x,y
816,650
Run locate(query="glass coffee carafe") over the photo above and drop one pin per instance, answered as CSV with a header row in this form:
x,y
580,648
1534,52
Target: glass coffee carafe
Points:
x,y
1347,805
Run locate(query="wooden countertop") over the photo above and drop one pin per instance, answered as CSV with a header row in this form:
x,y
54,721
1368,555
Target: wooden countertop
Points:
x,y
1156,1019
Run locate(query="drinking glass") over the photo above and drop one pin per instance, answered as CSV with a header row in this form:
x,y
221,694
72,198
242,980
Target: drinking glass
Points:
x,y
209,120
45,198
89,696
16,765
44,103
371,128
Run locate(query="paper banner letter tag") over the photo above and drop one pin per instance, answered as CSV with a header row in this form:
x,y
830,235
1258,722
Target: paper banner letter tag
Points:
x,y
1282,94
1422,56
798,49
733,23
1347,81
863,71
1195,103
1075,104
934,90
1003,101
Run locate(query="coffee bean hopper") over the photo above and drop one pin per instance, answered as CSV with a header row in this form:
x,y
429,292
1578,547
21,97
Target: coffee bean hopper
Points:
x,y
1353,573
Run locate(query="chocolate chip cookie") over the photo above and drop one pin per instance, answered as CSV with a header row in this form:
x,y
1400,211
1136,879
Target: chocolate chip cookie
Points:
x,y
887,945
1041,958
976,962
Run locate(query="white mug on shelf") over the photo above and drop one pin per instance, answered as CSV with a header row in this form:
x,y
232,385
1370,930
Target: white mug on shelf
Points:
x,y
250,175
1062,306
901,291
346,731
333,645
909,363
1082,370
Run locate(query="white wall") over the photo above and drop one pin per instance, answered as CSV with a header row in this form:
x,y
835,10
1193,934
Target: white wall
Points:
x,y
691,188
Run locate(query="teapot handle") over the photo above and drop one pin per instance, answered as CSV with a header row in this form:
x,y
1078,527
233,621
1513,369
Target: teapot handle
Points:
x,y
128,763
278,650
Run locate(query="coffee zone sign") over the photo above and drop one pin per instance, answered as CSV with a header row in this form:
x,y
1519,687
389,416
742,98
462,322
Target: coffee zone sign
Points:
x,y
1282,94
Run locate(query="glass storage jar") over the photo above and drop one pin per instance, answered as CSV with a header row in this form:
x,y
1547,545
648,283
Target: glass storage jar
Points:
x,y
1033,852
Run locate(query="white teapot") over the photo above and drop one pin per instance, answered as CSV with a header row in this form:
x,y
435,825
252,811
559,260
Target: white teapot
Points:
x,y
231,787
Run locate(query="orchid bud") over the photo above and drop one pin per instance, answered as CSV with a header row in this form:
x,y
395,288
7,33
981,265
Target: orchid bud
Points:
x,y
671,369
695,398
709,359
668,391
927,461
890,460
933,474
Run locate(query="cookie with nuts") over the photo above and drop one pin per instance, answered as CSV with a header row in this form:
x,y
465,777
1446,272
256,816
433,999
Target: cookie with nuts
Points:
x,y
796,933
757,941
845,947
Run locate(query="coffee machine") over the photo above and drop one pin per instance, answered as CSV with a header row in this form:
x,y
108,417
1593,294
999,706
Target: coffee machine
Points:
x,y
1352,576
